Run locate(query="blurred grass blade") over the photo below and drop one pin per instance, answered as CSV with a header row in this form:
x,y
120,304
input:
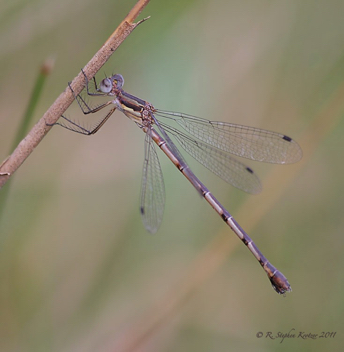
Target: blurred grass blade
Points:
x,y
45,70
23,128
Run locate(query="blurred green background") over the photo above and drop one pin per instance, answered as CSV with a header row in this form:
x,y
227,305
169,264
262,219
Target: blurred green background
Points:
x,y
78,271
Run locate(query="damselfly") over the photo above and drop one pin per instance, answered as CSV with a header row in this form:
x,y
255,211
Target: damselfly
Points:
x,y
209,142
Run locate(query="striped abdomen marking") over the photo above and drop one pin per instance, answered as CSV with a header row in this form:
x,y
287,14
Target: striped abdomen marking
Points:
x,y
278,280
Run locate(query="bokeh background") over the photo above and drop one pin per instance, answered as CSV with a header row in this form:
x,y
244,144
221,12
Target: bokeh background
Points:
x,y
78,271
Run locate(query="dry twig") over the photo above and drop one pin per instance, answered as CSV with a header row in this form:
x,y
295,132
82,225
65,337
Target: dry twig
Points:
x,y
35,136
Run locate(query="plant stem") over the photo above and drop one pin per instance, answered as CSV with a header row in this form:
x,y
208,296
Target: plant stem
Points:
x,y
35,136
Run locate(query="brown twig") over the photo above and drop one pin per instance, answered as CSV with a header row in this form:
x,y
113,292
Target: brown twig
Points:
x,y
35,136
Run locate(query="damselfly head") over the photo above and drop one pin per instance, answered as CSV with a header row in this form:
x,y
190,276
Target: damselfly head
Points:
x,y
105,85
117,81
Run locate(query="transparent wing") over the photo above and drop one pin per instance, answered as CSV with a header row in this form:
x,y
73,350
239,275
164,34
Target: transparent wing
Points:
x,y
218,162
247,142
153,189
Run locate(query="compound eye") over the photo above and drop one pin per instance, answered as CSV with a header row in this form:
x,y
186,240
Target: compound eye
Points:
x,y
105,85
